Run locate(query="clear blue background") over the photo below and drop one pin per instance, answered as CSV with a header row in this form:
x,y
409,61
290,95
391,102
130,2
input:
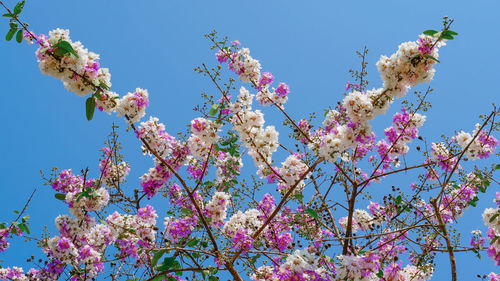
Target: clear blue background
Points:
x,y
156,44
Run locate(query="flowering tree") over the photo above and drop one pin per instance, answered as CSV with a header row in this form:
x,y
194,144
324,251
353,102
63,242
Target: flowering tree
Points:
x,y
219,224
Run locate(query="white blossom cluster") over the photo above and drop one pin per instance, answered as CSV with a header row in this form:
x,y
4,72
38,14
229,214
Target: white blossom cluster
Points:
x,y
303,260
358,268
407,67
266,97
249,220
291,171
133,105
245,66
488,214
68,67
216,208
153,132
107,101
261,141
331,144
80,203
113,174
482,146
205,129
361,220
198,147
301,264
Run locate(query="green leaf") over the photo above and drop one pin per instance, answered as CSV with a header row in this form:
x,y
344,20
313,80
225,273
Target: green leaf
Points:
x,y
430,32
10,34
212,278
431,57
493,240
493,217
472,203
166,264
213,110
497,167
398,200
25,218
172,278
64,47
19,36
13,25
446,36
299,196
8,15
103,85
156,257
186,211
213,270
449,32
312,213
380,273
89,108
60,196
24,228
19,7
481,189
192,242
254,259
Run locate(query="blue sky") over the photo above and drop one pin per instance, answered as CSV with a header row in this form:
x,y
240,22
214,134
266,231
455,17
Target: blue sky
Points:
x,y
310,45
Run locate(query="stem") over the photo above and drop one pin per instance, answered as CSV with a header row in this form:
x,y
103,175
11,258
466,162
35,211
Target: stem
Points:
x,y
449,246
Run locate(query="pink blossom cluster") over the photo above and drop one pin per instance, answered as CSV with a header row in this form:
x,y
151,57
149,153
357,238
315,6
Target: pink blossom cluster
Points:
x,y
177,229
81,197
491,218
174,154
404,129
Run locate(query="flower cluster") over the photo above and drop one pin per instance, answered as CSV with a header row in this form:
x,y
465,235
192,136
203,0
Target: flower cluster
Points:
x,y
133,232
301,265
491,218
81,197
79,69
482,146
412,64
133,105
112,174
291,172
216,208
441,155
205,130
261,141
